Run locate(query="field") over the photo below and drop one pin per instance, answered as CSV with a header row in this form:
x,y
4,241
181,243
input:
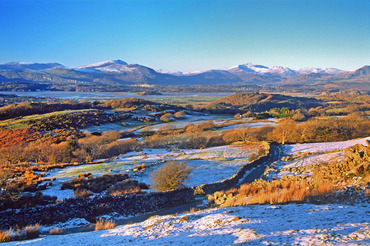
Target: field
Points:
x,y
210,165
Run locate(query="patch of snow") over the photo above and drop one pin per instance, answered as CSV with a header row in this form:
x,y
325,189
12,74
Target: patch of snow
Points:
x,y
308,70
104,63
321,147
72,223
210,165
55,190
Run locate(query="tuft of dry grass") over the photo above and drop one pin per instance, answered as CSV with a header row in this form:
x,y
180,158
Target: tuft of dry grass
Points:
x,y
193,210
30,231
6,236
56,231
104,224
287,189
184,219
236,218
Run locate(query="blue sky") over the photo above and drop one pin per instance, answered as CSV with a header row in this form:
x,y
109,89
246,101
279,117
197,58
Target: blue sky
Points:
x,y
187,35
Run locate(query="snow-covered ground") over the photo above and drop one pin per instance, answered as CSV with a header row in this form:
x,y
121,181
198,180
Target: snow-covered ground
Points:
x,y
321,147
210,165
292,224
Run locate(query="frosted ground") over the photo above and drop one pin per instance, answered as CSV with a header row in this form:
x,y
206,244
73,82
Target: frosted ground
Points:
x,y
281,168
292,224
210,165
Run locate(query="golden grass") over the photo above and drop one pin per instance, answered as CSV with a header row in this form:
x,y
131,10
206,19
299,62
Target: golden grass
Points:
x,y
134,190
28,232
184,219
6,236
31,231
326,180
56,231
263,192
104,225
155,223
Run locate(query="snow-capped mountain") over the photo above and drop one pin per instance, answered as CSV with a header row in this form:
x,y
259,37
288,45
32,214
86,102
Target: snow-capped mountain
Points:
x,y
178,73
118,73
244,69
20,66
118,66
308,70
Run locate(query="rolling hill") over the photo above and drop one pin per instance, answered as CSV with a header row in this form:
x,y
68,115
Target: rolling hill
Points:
x,y
260,102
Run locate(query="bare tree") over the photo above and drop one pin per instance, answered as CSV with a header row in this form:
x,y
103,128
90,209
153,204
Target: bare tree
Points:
x,y
170,177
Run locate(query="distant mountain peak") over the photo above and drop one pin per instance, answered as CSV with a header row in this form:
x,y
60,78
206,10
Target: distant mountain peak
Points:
x,y
250,68
118,66
365,70
120,62
11,66
103,64
308,70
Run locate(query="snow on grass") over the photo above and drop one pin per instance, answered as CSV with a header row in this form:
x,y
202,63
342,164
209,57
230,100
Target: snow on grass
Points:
x,y
321,147
110,127
281,168
72,223
205,172
292,224
190,119
55,190
210,165
229,151
314,159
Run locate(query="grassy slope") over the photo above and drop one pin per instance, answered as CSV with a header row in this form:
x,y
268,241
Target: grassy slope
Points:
x,y
262,102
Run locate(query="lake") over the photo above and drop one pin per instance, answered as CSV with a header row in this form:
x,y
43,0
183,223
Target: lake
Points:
x,y
91,96
107,95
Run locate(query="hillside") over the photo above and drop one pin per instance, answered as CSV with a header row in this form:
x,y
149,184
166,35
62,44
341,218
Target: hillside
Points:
x,y
358,79
260,102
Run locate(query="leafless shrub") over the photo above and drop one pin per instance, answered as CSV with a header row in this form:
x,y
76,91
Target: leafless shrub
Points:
x,y
171,176
82,193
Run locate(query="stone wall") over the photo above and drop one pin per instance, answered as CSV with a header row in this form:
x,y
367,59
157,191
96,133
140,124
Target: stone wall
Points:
x,y
91,208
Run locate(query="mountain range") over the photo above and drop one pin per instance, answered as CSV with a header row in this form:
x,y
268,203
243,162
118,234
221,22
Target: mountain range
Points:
x,y
119,73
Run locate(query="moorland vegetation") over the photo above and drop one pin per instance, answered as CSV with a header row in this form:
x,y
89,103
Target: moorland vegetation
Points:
x,y
37,137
